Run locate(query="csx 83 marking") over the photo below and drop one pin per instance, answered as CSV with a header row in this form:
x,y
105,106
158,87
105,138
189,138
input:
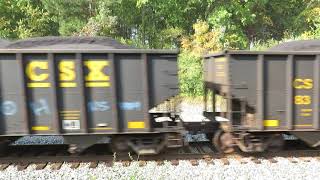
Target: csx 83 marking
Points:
x,y
303,83
302,100
38,74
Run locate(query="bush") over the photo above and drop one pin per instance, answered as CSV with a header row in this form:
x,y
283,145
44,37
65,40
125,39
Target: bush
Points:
x,y
190,74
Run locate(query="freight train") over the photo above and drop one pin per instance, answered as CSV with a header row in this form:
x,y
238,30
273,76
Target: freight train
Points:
x,y
86,89
268,94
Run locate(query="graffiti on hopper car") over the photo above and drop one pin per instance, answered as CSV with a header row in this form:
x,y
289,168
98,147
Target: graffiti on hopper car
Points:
x,y
9,108
98,106
130,106
40,107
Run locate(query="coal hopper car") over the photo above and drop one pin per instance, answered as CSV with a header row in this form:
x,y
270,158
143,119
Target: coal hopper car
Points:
x,y
266,95
86,89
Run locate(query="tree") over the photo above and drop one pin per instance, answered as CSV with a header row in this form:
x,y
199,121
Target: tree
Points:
x,y
71,16
22,19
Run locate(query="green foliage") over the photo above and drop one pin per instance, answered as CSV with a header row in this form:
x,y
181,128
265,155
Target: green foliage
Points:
x,y
203,40
102,24
37,22
261,46
161,23
22,19
190,74
71,16
71,26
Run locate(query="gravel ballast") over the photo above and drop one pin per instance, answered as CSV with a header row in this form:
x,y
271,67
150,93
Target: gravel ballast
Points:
x,y
284,169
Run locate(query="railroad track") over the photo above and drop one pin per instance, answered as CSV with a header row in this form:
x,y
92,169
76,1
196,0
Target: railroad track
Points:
x,y
55,156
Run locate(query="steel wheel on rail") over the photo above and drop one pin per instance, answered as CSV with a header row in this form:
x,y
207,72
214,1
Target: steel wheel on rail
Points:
x,y
223,142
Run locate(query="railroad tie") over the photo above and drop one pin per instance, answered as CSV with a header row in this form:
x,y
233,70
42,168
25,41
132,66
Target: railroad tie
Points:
x,y
243,161
109,163
225,161
160,163
4,166
74,165
208,160
174,162
272,160
256,161
40,166
22,166
93,164
292,160
125,163
142,163
305,159
240,159
194,162
56,166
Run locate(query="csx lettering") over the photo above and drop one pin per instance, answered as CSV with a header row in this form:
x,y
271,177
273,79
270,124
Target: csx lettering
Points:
x,y
37,72
96,70
303,83
302,100
67,74
37,78
96,76
67,71
33,66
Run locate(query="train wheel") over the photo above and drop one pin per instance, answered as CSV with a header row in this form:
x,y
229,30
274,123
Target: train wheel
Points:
x,y
276,143
223,142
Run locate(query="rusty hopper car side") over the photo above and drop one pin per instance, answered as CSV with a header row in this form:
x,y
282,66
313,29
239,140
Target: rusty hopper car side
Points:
x,y
268,94
88,94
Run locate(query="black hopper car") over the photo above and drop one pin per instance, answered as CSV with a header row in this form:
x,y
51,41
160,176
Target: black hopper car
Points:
x,y
268,94
87,89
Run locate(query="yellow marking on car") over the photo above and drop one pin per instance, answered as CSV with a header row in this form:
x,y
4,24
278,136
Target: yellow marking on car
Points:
x,y
305,114
220,59
306,110
70,114
68,84
303,83
38,85
37,78
220,66
302,100
40,128
71,118
271,123
67,74
220,74
136,125
97,84
67,70
69,111
303,125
